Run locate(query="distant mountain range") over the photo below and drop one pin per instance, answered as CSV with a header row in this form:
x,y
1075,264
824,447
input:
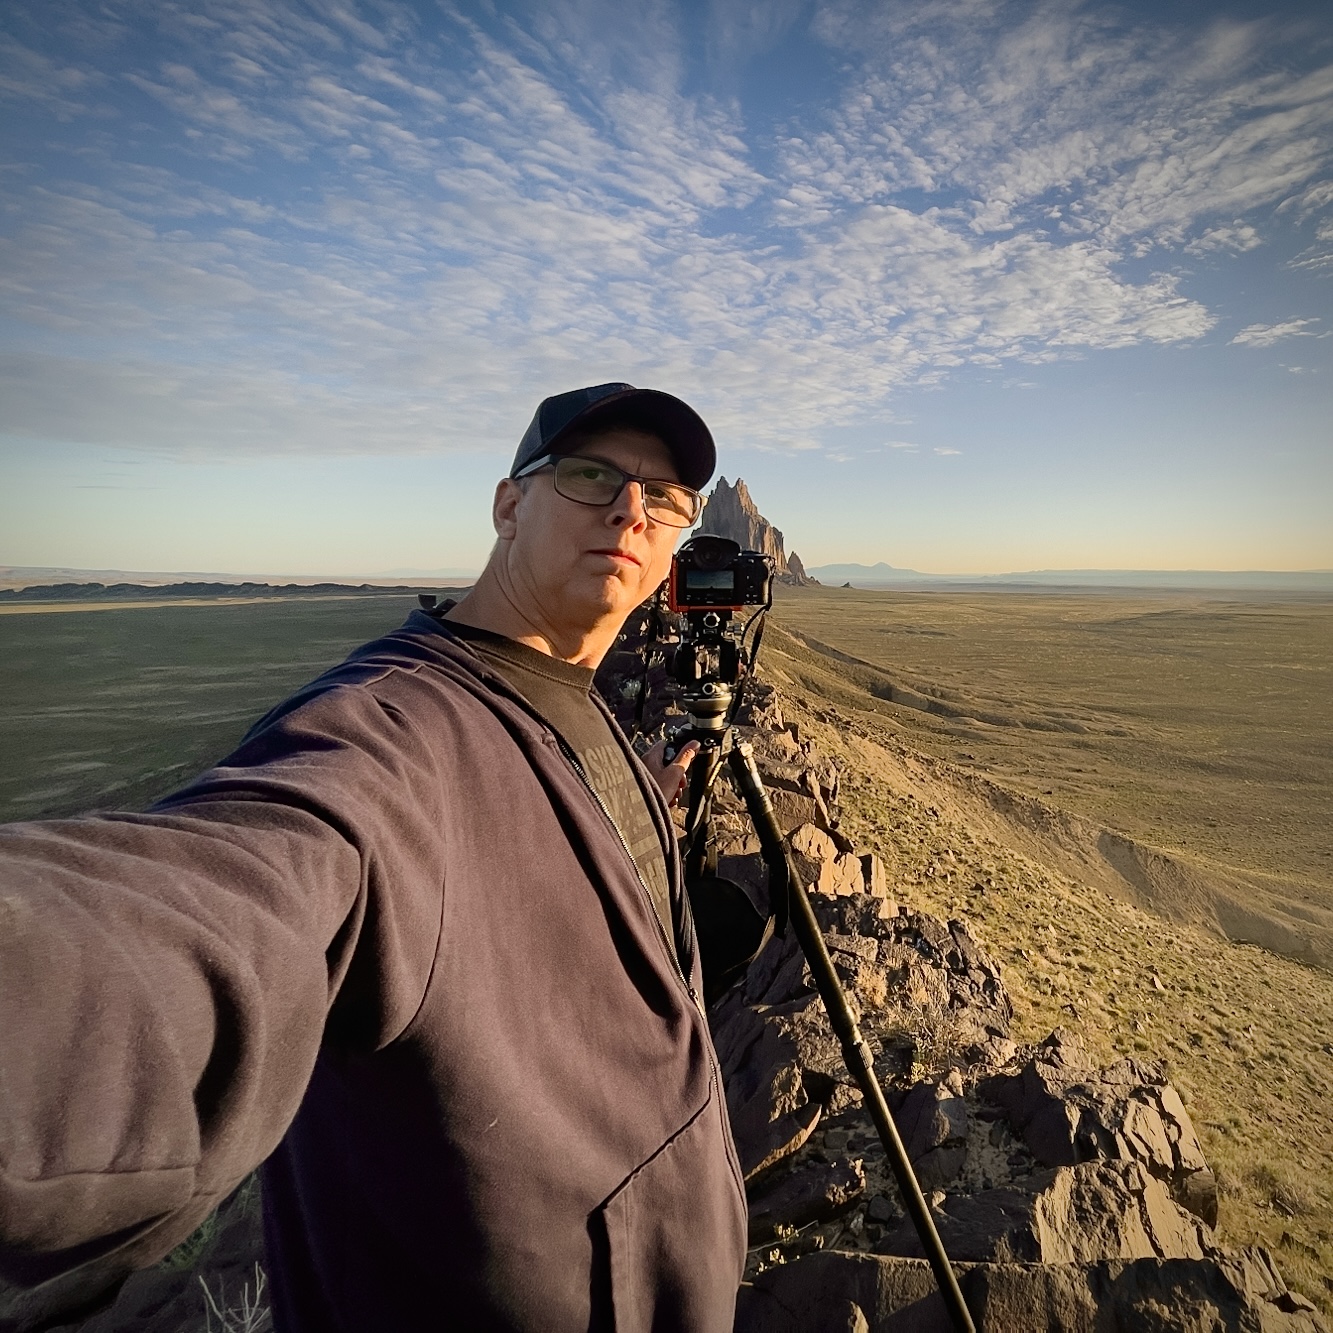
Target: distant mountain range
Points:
x,y
196,590
882,575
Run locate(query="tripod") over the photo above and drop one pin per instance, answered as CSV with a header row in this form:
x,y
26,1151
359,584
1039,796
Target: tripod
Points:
x,y
709,704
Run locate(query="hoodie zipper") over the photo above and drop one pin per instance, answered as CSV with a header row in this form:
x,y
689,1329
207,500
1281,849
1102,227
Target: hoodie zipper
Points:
x,y
715,1069
667,942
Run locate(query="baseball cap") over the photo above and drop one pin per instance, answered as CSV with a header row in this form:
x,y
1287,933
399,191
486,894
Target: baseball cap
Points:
x,y
680,427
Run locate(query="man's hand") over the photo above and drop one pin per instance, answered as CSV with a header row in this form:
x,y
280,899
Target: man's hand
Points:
x,y
670,776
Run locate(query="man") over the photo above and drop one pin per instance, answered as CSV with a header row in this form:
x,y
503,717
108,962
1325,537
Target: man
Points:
x,y
421,943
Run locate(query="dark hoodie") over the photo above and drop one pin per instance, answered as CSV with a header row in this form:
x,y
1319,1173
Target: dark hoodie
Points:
x,y
395,942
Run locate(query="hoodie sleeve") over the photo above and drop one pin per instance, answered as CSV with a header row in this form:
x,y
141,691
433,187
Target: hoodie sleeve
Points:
x,y
166,979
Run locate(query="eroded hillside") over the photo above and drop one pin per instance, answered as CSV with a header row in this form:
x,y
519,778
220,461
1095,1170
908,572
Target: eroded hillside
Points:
x,y
1200,726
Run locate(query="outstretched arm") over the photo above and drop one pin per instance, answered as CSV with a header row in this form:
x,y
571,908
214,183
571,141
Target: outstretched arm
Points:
x,y
166,979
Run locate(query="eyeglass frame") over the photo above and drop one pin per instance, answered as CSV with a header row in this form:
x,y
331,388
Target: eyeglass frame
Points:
x,y
551,460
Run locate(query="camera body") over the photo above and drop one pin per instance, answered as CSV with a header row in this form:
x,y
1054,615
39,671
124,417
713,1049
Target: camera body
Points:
x,y
711,580
713,573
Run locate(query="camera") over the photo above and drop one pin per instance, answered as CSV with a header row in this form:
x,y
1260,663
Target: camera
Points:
x,y
711,580
713,573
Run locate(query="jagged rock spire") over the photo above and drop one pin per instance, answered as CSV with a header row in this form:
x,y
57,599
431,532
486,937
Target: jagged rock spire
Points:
x,y
731,512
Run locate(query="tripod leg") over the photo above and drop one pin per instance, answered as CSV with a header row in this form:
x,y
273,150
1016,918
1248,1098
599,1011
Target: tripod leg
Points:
x,y
696,820
855,1051
698,813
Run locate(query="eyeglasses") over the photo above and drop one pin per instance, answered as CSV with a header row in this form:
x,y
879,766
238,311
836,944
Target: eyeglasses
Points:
x,y
590,481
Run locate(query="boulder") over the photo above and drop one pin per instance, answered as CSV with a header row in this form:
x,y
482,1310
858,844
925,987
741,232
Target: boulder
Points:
x,y
839,876
995,1225
771,1114
1112,1210
1072,1214
873,875
891,1295
775,747
791,809
1241,1292
813,1192
933,1124
1067,1112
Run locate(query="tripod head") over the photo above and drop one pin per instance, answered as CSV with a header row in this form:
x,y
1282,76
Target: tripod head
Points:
x,y
708,668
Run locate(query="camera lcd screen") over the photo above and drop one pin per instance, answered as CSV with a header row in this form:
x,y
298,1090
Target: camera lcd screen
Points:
x,y
722,579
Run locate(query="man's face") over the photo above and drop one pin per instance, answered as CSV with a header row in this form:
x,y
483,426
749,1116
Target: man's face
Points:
x,y
581,564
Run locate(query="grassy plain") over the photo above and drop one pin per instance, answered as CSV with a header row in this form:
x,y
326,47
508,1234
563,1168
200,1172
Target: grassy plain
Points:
x,y
114,708
1202,725
1198,723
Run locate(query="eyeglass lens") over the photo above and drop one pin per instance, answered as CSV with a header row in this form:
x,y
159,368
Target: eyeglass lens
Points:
x,y
592,482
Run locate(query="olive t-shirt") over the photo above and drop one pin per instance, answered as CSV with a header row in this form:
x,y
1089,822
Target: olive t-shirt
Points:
x,y
561,692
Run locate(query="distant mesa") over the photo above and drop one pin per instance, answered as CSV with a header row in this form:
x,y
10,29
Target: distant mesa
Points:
x,y
730,512
62,582
880,575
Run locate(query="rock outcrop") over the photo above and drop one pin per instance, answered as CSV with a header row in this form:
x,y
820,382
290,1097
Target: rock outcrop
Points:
x,y
796,570
860,1293
730,512
1073,1198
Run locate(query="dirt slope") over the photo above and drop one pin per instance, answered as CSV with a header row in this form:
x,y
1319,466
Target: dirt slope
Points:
x,y
1242,905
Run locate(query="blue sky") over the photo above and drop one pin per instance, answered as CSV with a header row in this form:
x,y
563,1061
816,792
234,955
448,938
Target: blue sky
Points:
x,y
963,285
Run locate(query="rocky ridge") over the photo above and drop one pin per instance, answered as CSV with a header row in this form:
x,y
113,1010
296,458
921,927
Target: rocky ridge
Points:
x,y
1072,1196
730,512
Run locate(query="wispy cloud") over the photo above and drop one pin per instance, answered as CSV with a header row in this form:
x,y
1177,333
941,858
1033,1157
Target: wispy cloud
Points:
x,y
1132,135
1236,238
738,31
37,80
346,227
1265,335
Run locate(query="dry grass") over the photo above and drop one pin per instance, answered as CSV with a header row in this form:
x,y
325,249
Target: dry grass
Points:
x,y
1191,722
250,1314
1247,1035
